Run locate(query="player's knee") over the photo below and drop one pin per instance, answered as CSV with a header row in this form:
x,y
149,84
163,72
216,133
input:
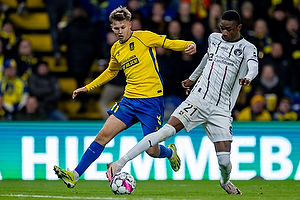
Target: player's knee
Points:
x,y
224,160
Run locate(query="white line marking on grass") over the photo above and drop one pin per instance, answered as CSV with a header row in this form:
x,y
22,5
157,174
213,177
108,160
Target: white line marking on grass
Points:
x,y
62,197
53,197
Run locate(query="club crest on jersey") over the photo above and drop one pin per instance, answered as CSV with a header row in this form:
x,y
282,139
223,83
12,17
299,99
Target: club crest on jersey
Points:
x,y
238,52
131,46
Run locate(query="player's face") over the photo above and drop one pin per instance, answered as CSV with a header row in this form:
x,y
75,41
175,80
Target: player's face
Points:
x,y
230,30
122,29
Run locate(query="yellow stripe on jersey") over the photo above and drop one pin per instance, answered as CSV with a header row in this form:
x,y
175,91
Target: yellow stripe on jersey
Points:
x,y
137,57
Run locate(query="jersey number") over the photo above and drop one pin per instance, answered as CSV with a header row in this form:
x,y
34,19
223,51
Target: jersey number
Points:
x,y
189,109
210,57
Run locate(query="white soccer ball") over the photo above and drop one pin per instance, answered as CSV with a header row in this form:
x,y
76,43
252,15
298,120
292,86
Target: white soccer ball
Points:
x,y
123,183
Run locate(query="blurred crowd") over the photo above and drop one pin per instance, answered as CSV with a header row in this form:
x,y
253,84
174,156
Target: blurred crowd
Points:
x,y
28,90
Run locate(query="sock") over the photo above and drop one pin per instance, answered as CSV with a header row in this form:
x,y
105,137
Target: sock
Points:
x,y
90,155
165,152
224,165
76,175
148,141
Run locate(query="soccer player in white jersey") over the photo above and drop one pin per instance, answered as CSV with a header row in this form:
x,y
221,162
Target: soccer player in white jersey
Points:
x,y
229,63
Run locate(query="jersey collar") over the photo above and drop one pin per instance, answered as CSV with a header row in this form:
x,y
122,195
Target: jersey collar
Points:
x,y
127,39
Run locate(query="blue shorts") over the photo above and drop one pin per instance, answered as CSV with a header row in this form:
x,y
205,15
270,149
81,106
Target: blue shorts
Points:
x,y
149,111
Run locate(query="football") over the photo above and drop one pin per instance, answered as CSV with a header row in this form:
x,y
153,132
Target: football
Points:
x,y
123,183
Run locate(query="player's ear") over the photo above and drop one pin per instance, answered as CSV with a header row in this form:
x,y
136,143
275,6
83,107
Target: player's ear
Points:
x,y
239,27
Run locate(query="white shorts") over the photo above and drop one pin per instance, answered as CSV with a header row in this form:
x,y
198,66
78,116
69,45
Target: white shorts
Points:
x,y
215,121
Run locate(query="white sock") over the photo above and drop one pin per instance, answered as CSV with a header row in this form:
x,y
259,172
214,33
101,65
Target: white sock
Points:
x,y
224,165
76,175
148,141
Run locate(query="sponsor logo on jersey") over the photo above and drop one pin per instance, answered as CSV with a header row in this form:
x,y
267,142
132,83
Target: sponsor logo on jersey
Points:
x,y
133,60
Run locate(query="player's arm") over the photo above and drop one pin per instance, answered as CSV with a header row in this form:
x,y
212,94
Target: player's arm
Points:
x,y
189,47
154,40
108,74
186,84
197,72
252,63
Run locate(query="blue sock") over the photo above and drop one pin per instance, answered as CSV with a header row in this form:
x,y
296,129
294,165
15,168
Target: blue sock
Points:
x,y
164,152
90,155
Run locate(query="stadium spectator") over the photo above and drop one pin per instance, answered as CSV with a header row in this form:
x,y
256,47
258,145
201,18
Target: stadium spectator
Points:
x,y
247,17
8,38
1,60
199,37
46,89
284,112
283,66
26,60
185,18
214,18
277,21
157,22
134,52
31,111
138,10
56,10
289,37
209,102
13,91
174,30
136,24
271,86
200,8
261,38
256,111
79,36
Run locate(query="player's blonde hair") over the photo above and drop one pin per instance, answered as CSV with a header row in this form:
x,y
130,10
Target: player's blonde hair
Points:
x,y
119,14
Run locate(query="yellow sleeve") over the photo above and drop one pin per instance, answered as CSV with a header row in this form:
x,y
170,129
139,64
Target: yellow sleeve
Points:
x,y
111,72
151,39
177,45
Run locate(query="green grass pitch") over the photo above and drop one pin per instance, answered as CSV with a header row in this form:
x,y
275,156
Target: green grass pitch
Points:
x,y
151,189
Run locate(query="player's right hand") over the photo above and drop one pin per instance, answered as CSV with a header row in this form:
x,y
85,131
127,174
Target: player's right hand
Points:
x,y
244,81
186,85
77,91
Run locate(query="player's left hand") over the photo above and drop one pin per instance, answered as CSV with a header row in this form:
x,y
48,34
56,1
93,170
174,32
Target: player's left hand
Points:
x,y
77,91
244,81
186,85
191,49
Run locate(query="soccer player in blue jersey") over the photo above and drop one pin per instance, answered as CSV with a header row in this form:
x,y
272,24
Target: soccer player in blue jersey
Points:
x,y
134,52
230,62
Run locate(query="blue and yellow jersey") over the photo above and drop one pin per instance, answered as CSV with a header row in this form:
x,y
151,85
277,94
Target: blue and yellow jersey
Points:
x,y
12,90
137,57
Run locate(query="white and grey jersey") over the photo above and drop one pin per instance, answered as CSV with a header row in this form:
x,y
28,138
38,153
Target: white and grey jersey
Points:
x,y
226,63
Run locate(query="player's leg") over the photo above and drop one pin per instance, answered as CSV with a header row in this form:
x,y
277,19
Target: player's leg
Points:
x,y
119,120
148,141
151,115
219,130
185,116
223,154
111,128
